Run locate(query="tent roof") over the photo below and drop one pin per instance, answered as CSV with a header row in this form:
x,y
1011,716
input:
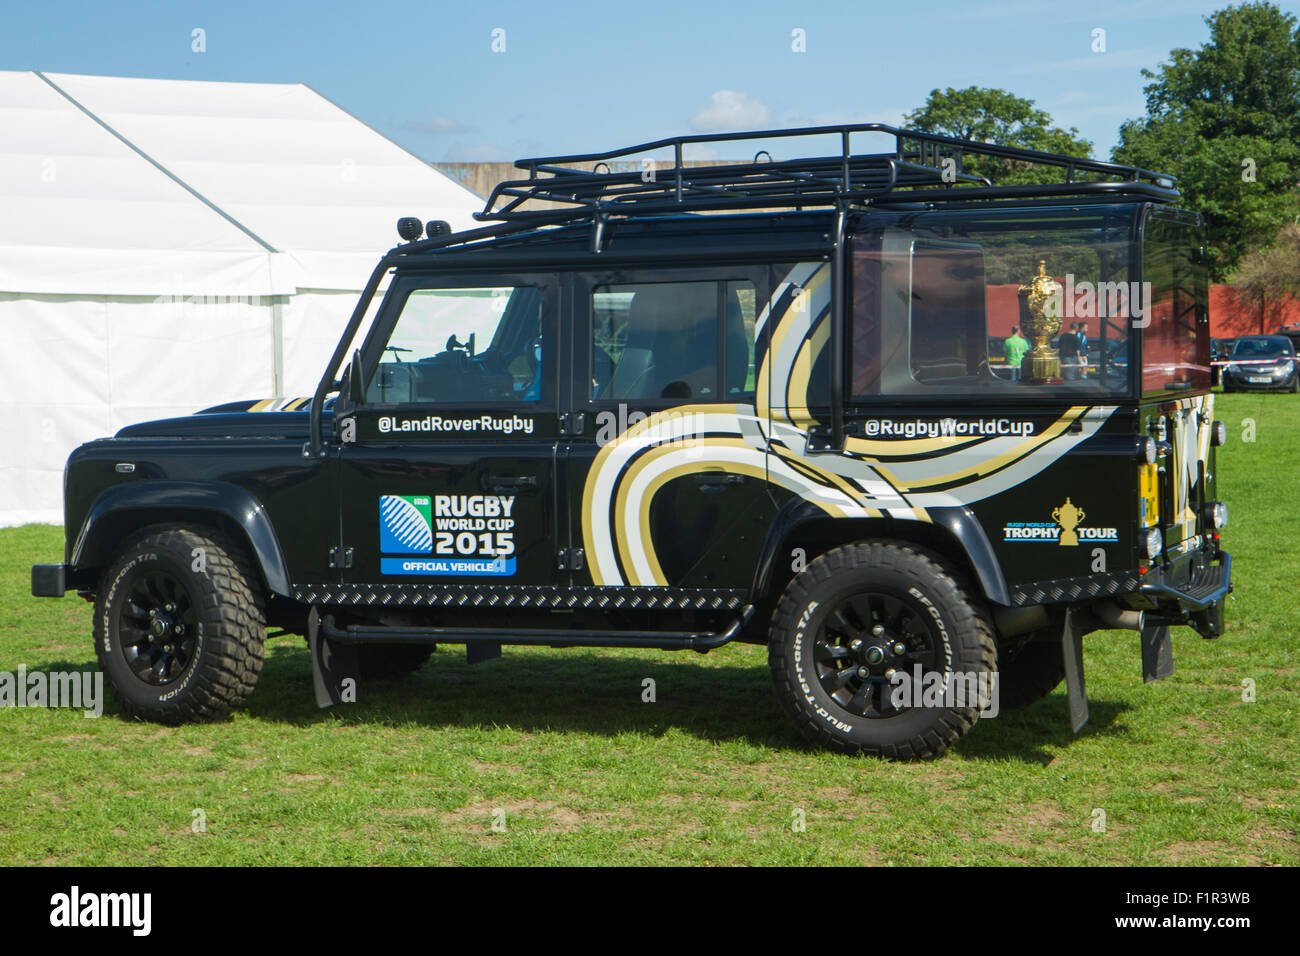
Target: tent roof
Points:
x,y
120,186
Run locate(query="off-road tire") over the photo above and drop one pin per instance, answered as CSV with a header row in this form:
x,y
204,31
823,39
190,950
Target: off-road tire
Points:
x,y
226,623
962,636
391,661
1029,673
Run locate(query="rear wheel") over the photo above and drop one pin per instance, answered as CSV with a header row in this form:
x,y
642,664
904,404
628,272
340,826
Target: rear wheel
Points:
x,y
179,625
877,649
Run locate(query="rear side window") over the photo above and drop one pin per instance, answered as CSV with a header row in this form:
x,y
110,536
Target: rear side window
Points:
x,y
937,309
673,341
948,340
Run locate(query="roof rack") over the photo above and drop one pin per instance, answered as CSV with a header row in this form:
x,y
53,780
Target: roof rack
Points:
x,y
922,167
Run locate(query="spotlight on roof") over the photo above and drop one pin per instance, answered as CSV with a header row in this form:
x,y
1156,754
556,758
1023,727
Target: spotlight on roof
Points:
x,y
409,228
436,227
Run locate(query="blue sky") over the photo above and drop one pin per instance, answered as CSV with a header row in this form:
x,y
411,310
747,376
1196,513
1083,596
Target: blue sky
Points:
x,y
582,76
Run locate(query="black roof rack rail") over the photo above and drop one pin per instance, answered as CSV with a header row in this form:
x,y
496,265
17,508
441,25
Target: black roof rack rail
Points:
x,y
914,171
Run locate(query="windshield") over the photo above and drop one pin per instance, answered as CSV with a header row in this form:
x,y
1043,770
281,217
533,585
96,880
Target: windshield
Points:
x,y
1262,348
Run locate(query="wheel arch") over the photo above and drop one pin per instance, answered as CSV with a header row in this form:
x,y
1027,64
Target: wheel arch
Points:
x,y
952,533
124,509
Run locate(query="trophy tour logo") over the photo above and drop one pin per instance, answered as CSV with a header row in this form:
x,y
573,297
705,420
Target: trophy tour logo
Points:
x,y
1065,529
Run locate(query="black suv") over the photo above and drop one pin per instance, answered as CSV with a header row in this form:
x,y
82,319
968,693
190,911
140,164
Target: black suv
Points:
x,y
677,407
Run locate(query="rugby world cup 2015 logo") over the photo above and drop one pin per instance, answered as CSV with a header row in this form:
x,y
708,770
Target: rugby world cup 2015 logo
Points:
x,y
405,525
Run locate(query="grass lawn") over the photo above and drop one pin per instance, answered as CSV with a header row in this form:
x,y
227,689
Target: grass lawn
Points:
x,y
585,772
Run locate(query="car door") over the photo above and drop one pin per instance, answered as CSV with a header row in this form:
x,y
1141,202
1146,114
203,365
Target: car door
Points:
x,y
449,478
664,468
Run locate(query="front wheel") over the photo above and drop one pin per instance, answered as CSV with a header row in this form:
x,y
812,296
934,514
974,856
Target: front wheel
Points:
x,y
179,625
875,648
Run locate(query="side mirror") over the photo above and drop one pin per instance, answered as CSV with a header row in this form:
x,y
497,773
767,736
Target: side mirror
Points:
x,y
356,383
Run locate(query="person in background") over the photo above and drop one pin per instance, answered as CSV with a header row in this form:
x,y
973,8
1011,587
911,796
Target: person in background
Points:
x,y
1068,347
1014,348
1083,349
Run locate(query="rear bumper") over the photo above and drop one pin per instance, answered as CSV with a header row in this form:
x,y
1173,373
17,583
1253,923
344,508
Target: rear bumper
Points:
x,y
1193,595
49,580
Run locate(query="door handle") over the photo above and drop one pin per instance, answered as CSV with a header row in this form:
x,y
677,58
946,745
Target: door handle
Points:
x,y
715,482
509,482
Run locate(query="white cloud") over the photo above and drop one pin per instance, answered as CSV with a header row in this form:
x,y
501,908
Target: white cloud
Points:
x,y
438,126
730,111
697,152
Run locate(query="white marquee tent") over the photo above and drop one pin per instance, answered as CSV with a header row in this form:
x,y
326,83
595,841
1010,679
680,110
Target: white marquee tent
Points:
x,y
166,245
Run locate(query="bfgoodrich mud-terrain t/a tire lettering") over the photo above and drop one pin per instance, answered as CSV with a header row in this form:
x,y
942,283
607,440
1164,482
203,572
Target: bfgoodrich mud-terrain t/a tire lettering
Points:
x,y
853,616
179,625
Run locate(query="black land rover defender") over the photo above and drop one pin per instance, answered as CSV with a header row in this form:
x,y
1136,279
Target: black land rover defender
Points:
x,y
810,403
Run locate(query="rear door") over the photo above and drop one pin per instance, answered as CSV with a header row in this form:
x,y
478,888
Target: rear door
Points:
x,y
451,476
665,470
1176,371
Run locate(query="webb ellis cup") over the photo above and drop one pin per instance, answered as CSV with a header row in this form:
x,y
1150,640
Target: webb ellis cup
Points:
x,y
1040,317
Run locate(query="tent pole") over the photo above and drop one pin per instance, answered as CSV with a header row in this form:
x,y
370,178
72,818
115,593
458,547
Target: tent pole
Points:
x,y
277,346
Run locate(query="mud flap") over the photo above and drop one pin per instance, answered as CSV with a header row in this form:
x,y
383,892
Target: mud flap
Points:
x,y
1157,653
1072,656
331,663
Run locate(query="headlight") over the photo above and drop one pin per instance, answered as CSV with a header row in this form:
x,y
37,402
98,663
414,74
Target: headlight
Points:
x,y
1155,543
1216,515
1218,434
1148,451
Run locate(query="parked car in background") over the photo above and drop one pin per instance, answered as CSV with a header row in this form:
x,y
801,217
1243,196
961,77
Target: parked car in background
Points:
x,y
1264,362
1292,332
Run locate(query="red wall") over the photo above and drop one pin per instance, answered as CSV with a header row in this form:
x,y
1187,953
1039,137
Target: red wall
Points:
x,y
1232,315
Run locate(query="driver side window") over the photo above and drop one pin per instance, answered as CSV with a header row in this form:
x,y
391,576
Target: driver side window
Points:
x,y
462,346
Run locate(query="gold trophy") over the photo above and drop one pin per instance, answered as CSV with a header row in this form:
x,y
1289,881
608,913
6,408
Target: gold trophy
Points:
x,y
1040,317
1068,517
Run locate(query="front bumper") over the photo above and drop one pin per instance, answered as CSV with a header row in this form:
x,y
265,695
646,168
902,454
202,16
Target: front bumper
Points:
x,y
1237,379
49,580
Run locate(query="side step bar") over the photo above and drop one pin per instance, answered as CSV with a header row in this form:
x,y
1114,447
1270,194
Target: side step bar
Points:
x,y
552,637
333,648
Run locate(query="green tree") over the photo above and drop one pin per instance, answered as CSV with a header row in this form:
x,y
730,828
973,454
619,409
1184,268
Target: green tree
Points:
x,y
1001,118
1271,272
1225,120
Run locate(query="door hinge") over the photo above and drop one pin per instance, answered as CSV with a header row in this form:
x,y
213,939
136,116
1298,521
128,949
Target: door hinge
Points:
x,y
571,559
819,439
340,558
572,423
